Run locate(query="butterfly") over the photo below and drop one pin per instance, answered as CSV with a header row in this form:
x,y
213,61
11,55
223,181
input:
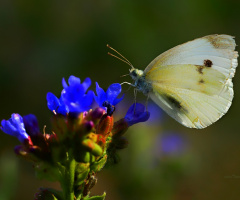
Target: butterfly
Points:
x,y
191,82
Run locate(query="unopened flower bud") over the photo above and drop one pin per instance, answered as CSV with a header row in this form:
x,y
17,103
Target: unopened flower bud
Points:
x,y
87,126
96,114
105,125
92,147
83,156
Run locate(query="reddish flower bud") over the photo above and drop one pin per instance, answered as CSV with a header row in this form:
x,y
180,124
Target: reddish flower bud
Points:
x,y
105,125
101,140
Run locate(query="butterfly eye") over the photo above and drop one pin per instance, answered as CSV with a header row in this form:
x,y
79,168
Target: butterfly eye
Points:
x,y
133,73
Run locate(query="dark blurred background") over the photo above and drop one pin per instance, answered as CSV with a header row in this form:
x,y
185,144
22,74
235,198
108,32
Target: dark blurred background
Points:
x,y
43,41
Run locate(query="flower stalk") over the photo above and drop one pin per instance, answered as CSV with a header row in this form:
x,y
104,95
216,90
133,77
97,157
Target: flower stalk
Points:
x,y
68,188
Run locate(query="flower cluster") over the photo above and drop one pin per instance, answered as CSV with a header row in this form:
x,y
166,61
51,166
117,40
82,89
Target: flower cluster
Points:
x,y
82,140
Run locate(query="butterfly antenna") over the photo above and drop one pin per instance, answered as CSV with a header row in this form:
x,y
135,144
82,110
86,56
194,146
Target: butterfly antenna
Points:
x,y
124,75
122,59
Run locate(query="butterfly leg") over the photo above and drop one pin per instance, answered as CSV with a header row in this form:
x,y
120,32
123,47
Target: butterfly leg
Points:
x,y
135,99
128,84
128,88
146,104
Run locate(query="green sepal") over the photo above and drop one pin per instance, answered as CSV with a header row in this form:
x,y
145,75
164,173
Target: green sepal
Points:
x,y
102,197
81,172
99,164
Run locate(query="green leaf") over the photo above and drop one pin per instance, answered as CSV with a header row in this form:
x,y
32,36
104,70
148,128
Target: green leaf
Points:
x,y
96,197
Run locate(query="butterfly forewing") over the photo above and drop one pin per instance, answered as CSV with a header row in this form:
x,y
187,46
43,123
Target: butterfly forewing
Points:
x,y
193,82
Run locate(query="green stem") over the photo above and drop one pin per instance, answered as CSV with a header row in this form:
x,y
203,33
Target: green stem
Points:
x,y
68,188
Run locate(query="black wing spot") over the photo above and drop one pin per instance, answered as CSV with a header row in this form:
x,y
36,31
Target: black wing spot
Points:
x,y
200,69
208,63
176,103
201,81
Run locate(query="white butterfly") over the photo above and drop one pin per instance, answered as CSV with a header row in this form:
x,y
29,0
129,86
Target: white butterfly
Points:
x,y
192,82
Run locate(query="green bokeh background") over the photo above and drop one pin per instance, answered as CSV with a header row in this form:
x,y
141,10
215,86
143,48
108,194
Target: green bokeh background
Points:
x,y
43,41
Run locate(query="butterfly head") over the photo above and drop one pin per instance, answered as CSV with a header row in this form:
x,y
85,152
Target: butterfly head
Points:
x,y
135,73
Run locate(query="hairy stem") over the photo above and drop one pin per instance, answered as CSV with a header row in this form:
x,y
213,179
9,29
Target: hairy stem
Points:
x,y
68,189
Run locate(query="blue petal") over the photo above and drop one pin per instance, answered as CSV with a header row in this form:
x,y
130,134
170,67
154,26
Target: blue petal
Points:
x,y
117,100
62,109
113,91
31,124
136,114
135,109
72,94
101,96
86,84
64,83
88,99
52,101
73,80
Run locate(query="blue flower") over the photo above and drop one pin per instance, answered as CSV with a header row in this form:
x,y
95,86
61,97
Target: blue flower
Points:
x,y
136,113
15,127
31,124
74,97
109,98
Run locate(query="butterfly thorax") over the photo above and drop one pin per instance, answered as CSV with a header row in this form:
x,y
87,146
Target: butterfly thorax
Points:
x,y
140,82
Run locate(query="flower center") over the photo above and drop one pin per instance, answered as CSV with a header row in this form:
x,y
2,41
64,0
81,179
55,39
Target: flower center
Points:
x,y
109,106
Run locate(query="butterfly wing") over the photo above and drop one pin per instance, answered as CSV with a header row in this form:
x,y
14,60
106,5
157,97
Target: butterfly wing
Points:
x,y
193,81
